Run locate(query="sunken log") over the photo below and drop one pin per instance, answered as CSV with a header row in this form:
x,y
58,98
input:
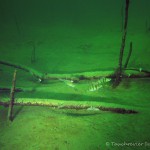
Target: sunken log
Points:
x,y
76,107
128,73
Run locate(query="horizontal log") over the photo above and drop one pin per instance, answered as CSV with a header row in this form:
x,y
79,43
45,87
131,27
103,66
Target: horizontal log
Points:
x,y
128,73
8,90
33,72
76,107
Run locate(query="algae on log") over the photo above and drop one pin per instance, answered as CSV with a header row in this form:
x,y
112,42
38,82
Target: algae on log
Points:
x,y
76,107
128,73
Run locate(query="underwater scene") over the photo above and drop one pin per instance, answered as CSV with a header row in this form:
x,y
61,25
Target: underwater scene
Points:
x,y
74,74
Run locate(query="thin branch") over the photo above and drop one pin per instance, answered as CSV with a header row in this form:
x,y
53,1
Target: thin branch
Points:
x,y
129,55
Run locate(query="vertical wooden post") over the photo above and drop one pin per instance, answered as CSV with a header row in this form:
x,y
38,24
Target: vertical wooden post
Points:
x,y
12,94
118,73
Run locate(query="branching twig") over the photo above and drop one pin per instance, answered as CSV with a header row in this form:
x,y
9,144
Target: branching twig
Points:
x,y
129,55
118,72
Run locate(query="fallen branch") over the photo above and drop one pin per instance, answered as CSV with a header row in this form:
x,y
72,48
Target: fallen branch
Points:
x,y
132,73
33,72
9,89
76,107
128,73
139,70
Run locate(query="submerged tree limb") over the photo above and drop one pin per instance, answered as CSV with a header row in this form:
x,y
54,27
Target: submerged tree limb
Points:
x,y
77,107
141,70
9,89
128,57
33,72
128,73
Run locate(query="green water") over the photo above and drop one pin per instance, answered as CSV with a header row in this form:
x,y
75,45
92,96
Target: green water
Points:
x,y
65,39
